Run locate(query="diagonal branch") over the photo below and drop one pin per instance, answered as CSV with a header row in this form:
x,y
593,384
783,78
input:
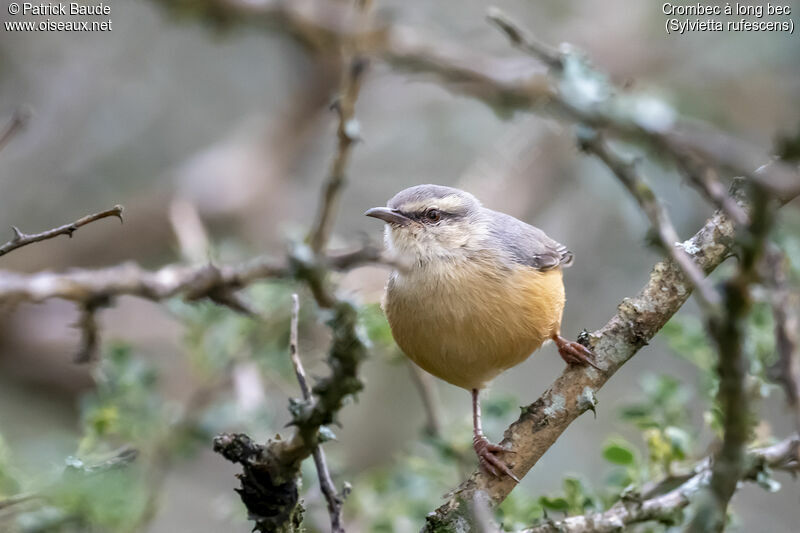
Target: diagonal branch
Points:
x,y
22,239
667,507
706,295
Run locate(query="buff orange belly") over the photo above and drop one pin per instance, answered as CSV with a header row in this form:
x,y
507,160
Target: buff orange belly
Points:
x,y
468,329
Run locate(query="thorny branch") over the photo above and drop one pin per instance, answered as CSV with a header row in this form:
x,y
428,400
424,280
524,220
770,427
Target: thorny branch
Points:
x,y
22,239
325,482
666,507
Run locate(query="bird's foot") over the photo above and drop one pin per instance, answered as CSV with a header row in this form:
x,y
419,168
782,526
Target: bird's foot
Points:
x,y
486,451
574,353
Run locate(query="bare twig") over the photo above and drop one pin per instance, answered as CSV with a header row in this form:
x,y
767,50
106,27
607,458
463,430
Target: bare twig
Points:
x,y
667,507
325,481
17,123
354,64
90,332
522,39
294,354
21,239
627,174
706,179
784,309
426,386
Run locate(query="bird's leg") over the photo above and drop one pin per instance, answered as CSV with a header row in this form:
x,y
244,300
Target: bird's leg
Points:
x,y
484,449
574,353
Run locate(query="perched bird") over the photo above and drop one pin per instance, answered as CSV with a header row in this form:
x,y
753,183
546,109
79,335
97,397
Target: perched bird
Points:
x,y
482,291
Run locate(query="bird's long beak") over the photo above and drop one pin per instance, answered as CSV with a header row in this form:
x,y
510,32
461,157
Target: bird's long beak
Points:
x,y
390,216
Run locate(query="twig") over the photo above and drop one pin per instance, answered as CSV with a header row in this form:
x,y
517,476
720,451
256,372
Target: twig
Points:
x,y
17,499
90,332
626,172
325,481
348,132
681,138
426,387
666,507
17,123
21,239
706,180
786,370
522,39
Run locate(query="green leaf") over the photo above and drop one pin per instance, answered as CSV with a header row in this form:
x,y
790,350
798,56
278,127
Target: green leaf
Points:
x,y
618,453
554,504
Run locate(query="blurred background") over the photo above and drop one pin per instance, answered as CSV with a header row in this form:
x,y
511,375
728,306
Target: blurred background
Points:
x,y
163,114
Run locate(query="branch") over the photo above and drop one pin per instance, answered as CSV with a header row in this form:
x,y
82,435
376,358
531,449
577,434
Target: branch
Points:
x,y
585,95
325,481
21,239
727,330
667,507
191,282
626,172
787,324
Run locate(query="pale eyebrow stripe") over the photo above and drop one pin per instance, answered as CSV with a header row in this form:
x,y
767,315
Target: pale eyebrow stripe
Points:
x,y
446,203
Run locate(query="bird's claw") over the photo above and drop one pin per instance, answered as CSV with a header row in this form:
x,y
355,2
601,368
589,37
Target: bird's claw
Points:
x,y
575,353
486,451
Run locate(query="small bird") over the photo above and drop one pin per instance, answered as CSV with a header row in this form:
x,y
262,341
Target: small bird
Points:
x,y
482,291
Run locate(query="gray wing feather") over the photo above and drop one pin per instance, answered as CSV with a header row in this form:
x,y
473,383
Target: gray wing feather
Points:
x,y
527,244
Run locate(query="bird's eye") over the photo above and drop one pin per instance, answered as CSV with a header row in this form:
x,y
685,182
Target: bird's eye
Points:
x,y
433,215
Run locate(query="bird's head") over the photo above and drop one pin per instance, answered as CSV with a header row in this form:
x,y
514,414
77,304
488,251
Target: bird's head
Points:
x,y
432,221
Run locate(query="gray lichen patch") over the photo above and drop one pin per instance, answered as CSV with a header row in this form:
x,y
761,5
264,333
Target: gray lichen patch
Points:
x,y
557,406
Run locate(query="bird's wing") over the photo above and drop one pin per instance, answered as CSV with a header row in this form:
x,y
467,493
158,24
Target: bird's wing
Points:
x,y
528,245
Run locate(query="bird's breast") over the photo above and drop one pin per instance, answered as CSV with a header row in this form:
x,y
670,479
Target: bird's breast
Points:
x,y
466,323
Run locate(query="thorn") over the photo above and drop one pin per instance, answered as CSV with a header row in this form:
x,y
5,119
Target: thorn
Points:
x,y
119,209
18,235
